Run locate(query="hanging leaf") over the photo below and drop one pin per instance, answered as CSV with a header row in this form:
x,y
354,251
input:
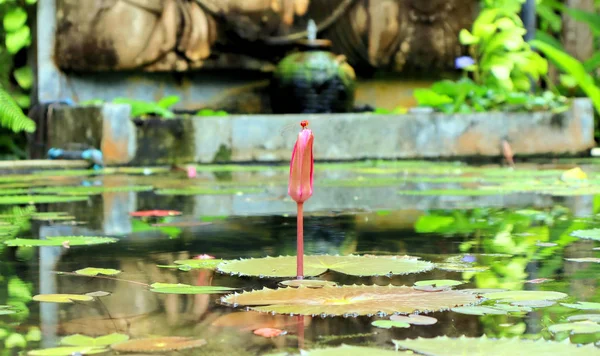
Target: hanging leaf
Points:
x,y
92,271
170,288
388,324
159,344
445,346
61,241
285,266
83,340
62,298
349,300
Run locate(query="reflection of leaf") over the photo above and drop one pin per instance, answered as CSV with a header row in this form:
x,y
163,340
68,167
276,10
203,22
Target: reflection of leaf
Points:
x,y
92,271
82,340
582,305
61,240
415,319
388,324
349,300
524,295
580,327
445,346
171,288
62,298
285,266
159,344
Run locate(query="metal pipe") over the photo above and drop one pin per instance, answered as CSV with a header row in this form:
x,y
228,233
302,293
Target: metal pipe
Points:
x,y
528,15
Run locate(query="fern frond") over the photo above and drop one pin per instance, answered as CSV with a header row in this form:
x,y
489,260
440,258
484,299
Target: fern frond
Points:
x,y
11,115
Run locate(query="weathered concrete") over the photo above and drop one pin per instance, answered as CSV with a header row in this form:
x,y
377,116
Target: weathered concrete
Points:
x,y
259,138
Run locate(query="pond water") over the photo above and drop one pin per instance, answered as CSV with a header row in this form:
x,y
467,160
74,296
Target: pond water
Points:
x,y
486,229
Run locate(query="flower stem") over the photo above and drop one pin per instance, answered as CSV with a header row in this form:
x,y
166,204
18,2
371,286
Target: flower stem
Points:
x,y
300,243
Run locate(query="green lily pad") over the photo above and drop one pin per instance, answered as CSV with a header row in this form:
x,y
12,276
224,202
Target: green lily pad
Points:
x,y
590,317
285,266
513,308
439,283
414,319
62,298
533,303
349,300
208,191
39,199
584,259
83,340
524,295
591,234
67,351
171,288
582,305
579,327
92,271
388,324
62,241
92,190
309,283
479,310
483,346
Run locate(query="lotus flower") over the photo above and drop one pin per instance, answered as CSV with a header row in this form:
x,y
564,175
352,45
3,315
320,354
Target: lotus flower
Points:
x,y
300,186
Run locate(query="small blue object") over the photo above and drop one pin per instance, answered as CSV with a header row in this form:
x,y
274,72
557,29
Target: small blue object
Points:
x,y
94,156
55,153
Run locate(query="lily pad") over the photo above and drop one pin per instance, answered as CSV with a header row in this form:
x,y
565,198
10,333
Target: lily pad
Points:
x,y
415,319
483,346
579,327
533,303
590,234
347,350
513,308
83,340
582,305
479,310
584,259
285,266
62,298
159,344
171,288
309,283
439,283
590,317
61,241
524,295
460,267
67,351
388,324
39,199
92,271
349,300
198,263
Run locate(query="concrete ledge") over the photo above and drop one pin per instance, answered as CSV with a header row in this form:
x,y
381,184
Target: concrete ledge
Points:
x,y
258,138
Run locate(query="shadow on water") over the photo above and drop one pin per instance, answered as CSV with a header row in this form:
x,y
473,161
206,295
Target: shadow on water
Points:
x,y
518,243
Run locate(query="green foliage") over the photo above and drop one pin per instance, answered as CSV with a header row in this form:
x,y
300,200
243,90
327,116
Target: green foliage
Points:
x,y
162,108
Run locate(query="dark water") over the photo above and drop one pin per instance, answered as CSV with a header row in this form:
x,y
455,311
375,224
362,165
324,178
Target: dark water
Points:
x,y
524,241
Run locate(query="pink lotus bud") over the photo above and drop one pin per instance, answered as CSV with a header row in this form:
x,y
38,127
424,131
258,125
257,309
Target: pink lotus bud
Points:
x,y
300,186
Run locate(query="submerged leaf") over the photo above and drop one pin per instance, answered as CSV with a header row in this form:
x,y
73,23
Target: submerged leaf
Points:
x,y
172,288
388,324
61,240
62,298
349,300
483,346
415,319
285,266
159,344
101,341
92,271
582,305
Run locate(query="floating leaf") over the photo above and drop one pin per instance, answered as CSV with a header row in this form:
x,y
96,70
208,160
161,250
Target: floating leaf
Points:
x,y
61,240
479,310
82,340
347,350
590,317
445,346
155,213
460,267
38,199
67,351
591,234
159,344
388,324
415,319
285,266
582,305
198,263
269,332
62,298
579,327
439,283
513,308
92,271
98,294
171,288
584,259
309,283
349,300
533,303
524,295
